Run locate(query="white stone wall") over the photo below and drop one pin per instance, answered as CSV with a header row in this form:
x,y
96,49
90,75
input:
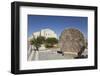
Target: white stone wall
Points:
x,y
47,33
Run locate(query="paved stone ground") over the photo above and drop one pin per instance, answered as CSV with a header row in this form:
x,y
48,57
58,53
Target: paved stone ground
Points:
x,y
49,55
53,55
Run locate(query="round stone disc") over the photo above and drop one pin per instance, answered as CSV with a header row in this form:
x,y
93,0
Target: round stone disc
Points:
x,y
71,40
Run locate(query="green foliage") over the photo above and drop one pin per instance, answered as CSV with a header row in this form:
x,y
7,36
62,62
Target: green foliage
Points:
x,y
41,39
50,42
37,41
48,45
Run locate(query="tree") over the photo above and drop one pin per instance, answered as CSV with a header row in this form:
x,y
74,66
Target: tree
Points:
x,y
41,39
37,42
50,42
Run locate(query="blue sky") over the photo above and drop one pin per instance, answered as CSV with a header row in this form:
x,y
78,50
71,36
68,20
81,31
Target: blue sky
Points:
x,y
57,23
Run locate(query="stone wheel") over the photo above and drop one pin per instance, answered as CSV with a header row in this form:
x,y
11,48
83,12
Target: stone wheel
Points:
x,y
71,40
